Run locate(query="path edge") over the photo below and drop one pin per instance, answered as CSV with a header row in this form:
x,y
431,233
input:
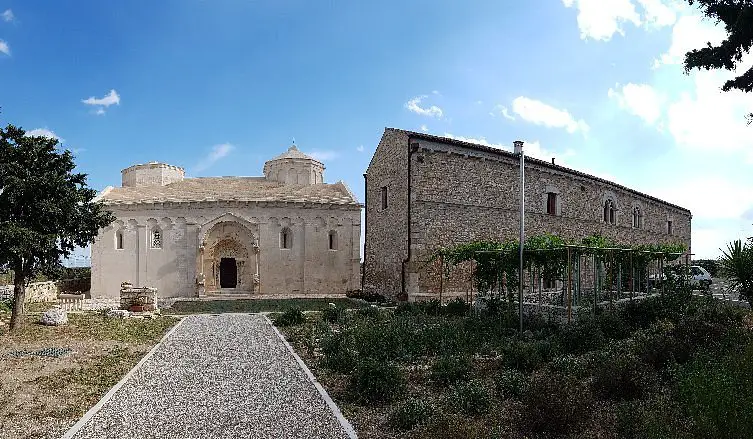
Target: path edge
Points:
x,y
331,404
93,411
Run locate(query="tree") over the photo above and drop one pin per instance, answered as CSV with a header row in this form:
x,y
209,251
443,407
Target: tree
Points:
x,y
46,209
737,16
737,264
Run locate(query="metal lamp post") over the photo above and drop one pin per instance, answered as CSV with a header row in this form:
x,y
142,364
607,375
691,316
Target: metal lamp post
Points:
x,y
519,150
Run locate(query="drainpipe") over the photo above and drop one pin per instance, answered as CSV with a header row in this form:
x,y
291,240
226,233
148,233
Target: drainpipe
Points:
x,y
365,228
411,149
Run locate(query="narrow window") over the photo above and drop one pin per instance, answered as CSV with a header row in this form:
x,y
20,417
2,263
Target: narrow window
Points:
x,y
609,212
637,218
286,239
384,197
156,238
333,240
551,203
669,227
119,240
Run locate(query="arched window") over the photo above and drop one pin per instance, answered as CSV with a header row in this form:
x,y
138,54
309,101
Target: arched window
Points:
x,y
609,211
333,240
286,239
637,218
119,240
156,241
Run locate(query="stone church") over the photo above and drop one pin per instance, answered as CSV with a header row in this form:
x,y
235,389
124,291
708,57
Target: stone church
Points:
x,y
287,232
424,192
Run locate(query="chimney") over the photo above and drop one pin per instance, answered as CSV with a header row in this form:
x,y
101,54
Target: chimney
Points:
x,y
552,160
518,146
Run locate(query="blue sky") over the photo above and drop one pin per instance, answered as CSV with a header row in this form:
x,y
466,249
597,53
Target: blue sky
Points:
x,y
220,86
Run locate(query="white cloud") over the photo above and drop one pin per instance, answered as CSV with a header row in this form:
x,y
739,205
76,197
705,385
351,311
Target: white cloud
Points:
x,y
424,128
324,155
531,149
641,100
503,111
540,113
218,152
690,32
44,132
112,98
4,48
7,15
601,19
359,148
432,111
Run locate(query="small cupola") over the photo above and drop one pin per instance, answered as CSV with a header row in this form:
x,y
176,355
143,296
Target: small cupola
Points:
x,y
294,167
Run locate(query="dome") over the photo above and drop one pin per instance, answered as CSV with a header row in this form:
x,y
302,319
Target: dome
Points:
x,y
294,167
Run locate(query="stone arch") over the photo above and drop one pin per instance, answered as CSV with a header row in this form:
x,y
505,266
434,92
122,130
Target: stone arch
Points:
x,y
229,254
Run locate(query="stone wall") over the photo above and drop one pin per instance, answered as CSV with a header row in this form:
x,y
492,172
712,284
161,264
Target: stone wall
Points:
x,y
462,193
309,267
386,246
35,292
144,298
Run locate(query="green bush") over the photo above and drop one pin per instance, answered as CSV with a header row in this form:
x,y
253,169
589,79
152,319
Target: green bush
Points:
x,y
333,314
290,317
376,382
570,365
511,383
470,397
657,417
556,404
451,369
6,305
410,414
659,347
619,374
716,393
456,307
527,356
581,336
612,325
371,312
338,355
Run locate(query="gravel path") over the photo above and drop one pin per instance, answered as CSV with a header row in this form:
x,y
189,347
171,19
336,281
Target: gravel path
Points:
x,y
226,376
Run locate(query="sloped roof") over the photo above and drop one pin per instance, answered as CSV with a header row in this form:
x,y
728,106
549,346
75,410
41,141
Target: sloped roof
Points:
x,y
293,153
542,163
254,189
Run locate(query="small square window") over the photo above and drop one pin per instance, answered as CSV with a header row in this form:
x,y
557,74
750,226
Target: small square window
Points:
x,y
384,197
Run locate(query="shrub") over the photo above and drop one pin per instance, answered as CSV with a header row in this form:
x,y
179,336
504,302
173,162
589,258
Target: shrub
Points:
x,y
410,414
619,374
451,369
658,417
581,336
376,381
570,365
470,397
333,314
658,346
556,404
527,356
6,305
717,394
338,355
612,325
291,317
456,307
372,312
511,383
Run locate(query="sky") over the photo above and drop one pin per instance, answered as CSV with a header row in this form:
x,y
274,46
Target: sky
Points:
x,y
218,87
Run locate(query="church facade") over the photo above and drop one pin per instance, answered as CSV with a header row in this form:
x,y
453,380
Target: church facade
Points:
x,y
287,232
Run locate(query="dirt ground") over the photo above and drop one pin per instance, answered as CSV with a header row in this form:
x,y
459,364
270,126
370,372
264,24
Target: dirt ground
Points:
x,y
44,396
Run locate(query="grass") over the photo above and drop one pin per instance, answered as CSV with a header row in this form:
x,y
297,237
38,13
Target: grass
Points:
x,y
257,305
43,397
666,367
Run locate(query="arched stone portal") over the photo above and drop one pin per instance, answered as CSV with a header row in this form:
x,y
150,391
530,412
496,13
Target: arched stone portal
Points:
x,y
228,257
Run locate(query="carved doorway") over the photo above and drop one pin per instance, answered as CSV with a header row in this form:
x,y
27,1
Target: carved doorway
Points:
x,y
228,273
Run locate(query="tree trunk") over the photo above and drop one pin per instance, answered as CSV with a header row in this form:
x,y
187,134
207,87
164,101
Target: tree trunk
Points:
x,y
19,299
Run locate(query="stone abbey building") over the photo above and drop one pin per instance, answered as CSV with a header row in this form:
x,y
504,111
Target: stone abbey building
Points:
x,y
287,232
425,192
